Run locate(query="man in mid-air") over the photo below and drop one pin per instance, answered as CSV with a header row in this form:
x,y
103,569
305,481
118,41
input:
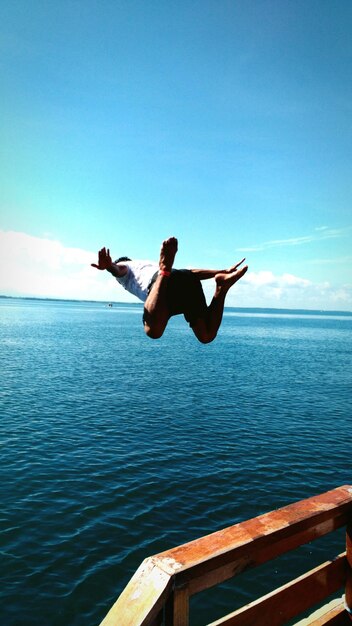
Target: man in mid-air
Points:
x,y
166,291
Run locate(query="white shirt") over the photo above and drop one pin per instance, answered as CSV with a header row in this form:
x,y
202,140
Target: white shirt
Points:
x,y
138,277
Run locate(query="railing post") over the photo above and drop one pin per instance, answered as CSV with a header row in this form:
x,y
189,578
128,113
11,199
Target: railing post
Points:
x,y
161,587
177,607
348,589
181,606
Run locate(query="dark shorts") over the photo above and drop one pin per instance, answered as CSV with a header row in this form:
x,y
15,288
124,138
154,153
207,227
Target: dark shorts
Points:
x,y
184,295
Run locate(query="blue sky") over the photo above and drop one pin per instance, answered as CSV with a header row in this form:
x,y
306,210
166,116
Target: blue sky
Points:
x,y
226,124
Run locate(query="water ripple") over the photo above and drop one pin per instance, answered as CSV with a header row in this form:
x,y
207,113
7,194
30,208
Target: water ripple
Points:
x,y
115,447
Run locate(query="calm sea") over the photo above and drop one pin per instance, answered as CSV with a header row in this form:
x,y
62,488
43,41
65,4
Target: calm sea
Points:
x,y
115,447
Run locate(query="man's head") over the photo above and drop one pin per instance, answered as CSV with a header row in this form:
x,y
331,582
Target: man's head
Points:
x,y
121,259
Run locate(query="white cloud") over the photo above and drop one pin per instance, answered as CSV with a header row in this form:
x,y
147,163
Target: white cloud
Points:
x,y
267,278
42,267
265,289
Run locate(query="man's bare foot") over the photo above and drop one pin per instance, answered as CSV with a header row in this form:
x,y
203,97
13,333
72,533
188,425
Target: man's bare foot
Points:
x,y
225,281
167,254
234,267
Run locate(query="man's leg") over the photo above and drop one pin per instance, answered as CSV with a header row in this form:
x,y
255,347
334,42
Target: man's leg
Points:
x,y
156,313
206,329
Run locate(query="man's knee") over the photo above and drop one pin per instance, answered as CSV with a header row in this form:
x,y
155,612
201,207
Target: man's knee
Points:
x,y
205,338
202,332
154,332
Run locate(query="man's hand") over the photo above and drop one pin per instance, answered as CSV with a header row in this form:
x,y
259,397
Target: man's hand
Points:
x,y
104,260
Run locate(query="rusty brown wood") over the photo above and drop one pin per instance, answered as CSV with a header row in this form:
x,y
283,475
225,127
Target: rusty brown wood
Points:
x,y
221,555
281,605
212,559
254,558
181,607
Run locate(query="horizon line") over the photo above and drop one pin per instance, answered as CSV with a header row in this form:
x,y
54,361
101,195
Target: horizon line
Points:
x,y
140,304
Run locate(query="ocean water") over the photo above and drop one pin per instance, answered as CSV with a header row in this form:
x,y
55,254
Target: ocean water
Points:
x,y
115,447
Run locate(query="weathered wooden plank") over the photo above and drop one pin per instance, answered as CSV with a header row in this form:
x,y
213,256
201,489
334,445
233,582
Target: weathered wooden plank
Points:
x,y
143,598
348,589
254,558
223,554
181,607
281,605
333,614
335,617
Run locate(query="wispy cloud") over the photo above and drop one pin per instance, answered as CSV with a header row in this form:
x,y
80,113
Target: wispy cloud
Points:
x,y
343,260
321,233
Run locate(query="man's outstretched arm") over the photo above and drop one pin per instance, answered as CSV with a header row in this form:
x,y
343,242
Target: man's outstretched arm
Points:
x,y
105,263
205,274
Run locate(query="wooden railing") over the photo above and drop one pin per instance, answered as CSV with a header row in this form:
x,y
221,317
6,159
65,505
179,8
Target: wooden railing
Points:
x,y
159,592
